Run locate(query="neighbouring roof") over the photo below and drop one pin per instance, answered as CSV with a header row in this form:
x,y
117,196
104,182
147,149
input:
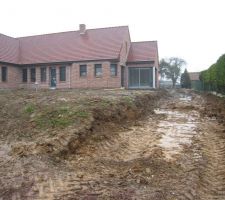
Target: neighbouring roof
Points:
x,y
143,51
194,76
95,44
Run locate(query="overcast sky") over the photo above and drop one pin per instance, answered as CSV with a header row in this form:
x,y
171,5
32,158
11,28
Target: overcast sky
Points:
x,y
191,29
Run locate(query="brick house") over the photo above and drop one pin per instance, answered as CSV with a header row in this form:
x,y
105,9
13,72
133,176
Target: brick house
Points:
x,y
87,58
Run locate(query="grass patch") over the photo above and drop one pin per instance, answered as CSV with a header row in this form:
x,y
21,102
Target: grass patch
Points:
x,y
128,100
60,118
105,103
81,114
29,109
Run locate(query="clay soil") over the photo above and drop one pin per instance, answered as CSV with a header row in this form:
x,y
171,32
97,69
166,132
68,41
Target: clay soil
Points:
x,y
112,144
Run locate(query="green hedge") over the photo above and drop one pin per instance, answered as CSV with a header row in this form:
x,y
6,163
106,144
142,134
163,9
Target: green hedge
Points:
x,y
213,79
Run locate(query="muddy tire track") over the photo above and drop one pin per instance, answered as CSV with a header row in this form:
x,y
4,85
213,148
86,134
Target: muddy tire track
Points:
x,y
174,154
213,172
127,144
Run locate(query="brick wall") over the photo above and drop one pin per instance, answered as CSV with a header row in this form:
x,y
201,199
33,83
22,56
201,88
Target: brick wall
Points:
x,y
13,80
46,84
91,81
73,79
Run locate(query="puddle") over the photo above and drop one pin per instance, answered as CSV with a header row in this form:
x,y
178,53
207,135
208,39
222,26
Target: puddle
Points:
x,y
177,130
4,157
184,97
4,150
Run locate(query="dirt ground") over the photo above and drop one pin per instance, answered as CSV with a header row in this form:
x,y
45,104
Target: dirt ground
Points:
x,y
112,144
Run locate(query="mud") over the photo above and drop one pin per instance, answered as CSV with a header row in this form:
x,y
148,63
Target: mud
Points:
x,y
175,152
107,114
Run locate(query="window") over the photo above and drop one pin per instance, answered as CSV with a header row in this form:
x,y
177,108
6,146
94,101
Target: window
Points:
x,y
32,75
62,73
98,70
24,71
140,77
83,70
43,74
113,69
4,74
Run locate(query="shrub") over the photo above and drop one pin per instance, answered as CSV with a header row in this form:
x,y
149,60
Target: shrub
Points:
x,y
213,79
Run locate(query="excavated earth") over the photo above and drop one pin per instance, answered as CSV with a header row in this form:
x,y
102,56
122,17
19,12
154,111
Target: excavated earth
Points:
x,y
119,145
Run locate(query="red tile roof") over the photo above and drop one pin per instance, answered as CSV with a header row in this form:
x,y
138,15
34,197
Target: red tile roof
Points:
x,y
143,51
194,76
96,44
9,49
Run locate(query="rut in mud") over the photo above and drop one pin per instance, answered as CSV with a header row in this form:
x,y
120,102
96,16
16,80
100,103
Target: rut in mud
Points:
x,y
176,153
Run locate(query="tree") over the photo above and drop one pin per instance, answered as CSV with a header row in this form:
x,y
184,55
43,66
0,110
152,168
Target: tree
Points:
x,y
185,80
214,77
212,72
220,65
171,68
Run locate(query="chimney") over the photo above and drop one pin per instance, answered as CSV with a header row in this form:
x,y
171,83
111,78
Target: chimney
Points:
x,y
82,29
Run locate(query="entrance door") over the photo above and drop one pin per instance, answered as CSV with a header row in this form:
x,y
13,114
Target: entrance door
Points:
x,y
53,77
122,76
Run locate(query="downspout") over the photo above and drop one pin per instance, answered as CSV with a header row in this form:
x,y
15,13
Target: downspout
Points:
x,y
158,67
20,68
153,75
70,75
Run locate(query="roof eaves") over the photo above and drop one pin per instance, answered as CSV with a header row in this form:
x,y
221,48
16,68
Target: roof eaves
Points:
x,y
70,62
145,41
141,62
8,63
